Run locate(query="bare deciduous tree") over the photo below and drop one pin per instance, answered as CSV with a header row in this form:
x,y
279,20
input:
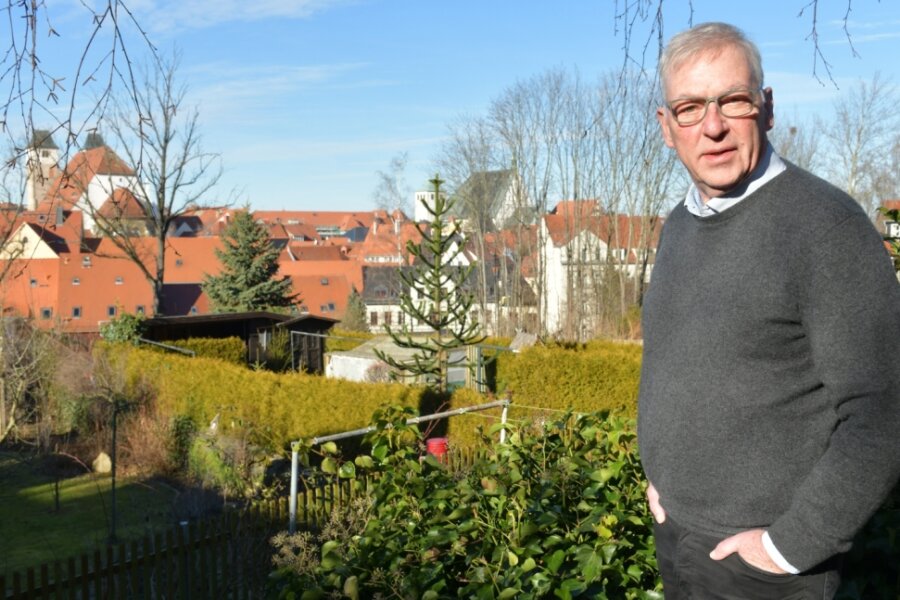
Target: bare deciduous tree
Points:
x,y
799,141
391,191
162,140
863,136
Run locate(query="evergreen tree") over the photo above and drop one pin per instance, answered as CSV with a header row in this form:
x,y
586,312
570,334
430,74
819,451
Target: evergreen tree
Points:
x,y
435,294
355,316
249,266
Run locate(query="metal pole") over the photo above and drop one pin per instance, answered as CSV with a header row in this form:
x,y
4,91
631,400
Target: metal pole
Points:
x,y
292,504
503,416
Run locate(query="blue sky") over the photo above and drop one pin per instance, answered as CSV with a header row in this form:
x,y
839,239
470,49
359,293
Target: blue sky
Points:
x,y
306,99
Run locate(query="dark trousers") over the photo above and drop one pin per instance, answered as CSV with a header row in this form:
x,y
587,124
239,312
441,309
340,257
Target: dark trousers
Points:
x,y
689,573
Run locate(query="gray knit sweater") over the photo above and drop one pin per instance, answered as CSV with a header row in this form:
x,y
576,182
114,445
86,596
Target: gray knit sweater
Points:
x,y
770,394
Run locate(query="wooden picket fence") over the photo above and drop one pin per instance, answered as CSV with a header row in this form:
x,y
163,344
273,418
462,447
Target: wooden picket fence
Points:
x,y
223,557
227,557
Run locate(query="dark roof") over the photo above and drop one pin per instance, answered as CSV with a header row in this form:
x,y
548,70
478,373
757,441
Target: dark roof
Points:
x,y
240,324
43,139
485,189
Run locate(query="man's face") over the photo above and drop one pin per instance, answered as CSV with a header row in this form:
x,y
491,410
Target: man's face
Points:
x,y
718,152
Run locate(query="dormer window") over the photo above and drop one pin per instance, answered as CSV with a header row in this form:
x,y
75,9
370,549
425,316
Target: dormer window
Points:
x,y
178,262
119,280
324,281
32,282
76,281
86,261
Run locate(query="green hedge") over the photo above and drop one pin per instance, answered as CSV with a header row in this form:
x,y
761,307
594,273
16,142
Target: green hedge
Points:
x,y
541,381
599,375
230,349
274,408
341,340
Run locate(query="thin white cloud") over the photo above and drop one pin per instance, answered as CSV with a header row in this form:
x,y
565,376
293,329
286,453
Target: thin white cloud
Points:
x,y
288,150
179,15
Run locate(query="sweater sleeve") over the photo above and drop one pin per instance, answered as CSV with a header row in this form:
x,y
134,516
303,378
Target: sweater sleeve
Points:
x,y
850,301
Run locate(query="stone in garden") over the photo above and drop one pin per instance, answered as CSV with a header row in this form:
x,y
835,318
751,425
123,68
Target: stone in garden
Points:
x,y
102,464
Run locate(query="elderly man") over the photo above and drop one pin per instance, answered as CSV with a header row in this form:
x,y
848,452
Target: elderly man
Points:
x,y
769,409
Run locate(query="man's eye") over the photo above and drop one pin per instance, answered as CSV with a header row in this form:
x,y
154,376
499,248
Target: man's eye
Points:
x,y
688,108
736,99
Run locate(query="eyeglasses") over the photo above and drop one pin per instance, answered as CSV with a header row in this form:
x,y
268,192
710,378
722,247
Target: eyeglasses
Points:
x,y
739,102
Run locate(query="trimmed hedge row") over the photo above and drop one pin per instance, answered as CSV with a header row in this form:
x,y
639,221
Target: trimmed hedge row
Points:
x,y
273,408
341,340
599,375
231,350
278,408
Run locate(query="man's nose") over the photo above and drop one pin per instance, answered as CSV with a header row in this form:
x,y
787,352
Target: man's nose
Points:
x,y
714,124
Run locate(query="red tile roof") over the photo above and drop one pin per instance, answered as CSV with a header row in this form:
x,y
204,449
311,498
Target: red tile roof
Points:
x,y
122,204
322,296
73,181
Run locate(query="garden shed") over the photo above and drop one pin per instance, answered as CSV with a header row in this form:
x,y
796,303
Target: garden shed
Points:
x,y
255,329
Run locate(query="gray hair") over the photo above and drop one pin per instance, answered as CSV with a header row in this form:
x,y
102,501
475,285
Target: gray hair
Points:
x,y
703,38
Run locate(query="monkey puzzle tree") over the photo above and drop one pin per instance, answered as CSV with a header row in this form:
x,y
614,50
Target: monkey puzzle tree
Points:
x,y
435,295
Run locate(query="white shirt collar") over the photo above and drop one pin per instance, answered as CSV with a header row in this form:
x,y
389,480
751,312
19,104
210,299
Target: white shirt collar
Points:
x,y
769,166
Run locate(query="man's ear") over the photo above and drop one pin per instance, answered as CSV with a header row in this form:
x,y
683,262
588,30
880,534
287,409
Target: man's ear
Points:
x,y
664,126
769,107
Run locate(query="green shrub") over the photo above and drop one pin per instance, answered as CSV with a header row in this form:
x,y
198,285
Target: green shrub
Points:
x,y
123,328
559,511
181,438
207,466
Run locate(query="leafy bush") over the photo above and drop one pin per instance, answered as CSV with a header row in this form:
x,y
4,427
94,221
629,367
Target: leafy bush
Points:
x,y
559,511
124,328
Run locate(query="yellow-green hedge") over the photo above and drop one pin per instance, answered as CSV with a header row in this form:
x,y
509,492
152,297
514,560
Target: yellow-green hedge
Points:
x,y
230,349
588,377
277,408
341,340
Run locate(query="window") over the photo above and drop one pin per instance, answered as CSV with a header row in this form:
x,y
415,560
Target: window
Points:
x,y
387,318
119,280
139,309
373,318
110,311
194,310
76,281
32,282
331,307
46,313
76,312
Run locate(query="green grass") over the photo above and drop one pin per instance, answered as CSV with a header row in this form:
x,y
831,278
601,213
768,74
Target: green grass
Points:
x,y
33,532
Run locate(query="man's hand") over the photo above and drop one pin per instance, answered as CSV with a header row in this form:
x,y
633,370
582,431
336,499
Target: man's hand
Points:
x,y
749,546
655,507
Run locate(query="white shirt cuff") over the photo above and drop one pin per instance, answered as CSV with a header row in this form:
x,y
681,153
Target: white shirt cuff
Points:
x,y
776,556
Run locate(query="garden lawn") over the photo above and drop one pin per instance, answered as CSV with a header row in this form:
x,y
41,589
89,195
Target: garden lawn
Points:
x,y
33,532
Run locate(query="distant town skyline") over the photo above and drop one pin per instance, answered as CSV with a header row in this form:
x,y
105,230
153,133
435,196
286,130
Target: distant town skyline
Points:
x,y
305,100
